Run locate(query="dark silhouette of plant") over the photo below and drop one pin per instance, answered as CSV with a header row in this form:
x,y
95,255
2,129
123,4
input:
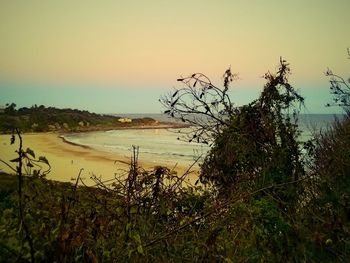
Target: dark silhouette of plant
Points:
x,y
10,109
254,143
201,104
255,150
326,212
340,88
258,149
25,162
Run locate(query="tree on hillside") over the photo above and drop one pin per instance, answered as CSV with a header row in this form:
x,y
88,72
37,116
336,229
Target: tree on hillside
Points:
x,y
10,108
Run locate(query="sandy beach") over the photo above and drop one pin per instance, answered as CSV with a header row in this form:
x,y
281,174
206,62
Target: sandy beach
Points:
x,y
67,159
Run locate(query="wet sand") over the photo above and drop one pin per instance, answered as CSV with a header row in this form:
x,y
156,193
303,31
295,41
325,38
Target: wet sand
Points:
x,y
67,159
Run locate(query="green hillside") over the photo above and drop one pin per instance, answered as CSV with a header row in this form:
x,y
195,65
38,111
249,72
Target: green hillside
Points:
x,y
43,119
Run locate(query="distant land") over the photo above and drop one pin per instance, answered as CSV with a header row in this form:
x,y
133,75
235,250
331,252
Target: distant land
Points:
x,y
51,119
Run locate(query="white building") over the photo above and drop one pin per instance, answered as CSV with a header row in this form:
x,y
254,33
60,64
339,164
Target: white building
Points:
x,y
124,120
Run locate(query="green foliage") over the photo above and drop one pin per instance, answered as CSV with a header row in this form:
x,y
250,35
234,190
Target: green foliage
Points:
x,y
70,224
10,109
327,214
326,211
259,146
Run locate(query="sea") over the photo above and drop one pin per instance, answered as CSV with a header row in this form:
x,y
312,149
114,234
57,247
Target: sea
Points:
x,y
168,146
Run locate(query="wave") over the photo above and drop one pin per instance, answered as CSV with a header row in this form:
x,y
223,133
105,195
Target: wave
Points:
x,y
177,151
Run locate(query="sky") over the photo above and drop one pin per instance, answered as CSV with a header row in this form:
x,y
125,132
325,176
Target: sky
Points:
x,y
121,56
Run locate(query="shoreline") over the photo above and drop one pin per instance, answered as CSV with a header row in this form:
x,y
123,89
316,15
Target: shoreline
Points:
x,y
131,127
61,134
136,127
73,143
68,158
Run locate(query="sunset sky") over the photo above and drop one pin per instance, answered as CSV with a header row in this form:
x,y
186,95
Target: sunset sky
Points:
x,y
121,56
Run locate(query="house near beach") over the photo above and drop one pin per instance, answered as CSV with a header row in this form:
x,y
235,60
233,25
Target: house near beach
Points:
x,y
124,120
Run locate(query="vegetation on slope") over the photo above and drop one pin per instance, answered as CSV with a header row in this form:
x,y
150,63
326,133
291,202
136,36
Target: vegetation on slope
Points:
x,y
41,118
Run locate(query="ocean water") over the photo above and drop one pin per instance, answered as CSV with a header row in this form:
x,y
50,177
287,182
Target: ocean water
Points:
x,y
158,146
161,146
309,123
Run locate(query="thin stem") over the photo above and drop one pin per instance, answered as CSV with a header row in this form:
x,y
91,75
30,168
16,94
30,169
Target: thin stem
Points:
x,y
20,195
